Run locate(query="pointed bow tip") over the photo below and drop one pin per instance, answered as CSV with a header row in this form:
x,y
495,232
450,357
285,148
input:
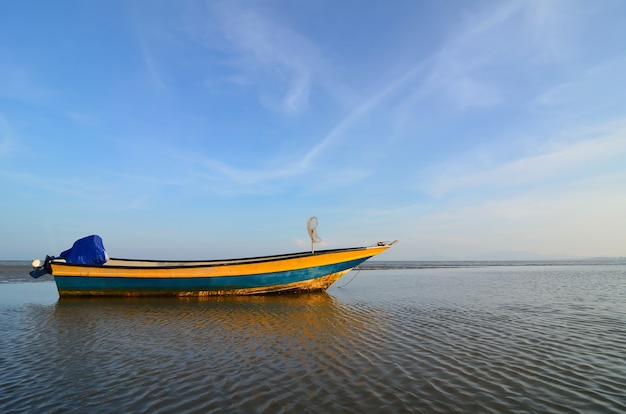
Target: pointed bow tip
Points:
x,y
387,243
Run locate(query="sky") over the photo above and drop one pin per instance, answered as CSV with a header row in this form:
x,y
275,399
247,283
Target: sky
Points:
x,y
215,129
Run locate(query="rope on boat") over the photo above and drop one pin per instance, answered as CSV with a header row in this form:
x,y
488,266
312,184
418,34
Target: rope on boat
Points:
x,y
355,275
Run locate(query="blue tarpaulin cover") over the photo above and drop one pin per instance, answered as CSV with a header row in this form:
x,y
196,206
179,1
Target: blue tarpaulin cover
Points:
x,y
88,250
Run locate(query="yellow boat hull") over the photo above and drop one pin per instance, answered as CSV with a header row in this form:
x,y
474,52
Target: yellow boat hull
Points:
x,y
297,272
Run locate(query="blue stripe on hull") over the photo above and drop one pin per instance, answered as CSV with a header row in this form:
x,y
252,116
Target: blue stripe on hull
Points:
x,y
75,285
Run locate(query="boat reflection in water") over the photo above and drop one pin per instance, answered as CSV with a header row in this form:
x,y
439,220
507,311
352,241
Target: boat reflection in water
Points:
x,y
165,354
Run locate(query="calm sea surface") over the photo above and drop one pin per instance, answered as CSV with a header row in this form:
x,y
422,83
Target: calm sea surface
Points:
x,y
401,337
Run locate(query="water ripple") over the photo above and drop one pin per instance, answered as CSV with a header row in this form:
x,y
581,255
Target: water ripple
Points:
x,y
525,339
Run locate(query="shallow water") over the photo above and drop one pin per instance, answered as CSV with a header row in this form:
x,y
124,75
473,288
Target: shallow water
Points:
x,y
479,339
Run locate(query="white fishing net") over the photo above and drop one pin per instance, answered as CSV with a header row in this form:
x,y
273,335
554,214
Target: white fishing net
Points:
x,y
311,226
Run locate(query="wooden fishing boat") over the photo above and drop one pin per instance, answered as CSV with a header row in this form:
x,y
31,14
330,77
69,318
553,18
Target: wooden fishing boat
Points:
x,y
295,272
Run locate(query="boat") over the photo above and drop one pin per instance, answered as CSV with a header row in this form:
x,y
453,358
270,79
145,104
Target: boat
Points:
x,y
86,270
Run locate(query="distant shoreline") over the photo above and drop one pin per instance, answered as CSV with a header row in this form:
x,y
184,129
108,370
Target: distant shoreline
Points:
x,y
447,264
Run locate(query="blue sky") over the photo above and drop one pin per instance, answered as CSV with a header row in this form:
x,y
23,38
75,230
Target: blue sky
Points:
x,y
202,129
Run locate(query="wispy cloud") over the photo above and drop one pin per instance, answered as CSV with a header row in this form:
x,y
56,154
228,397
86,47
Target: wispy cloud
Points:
x,y
83,117
473,47
579,218
116,193
6,137
363,110
311,161
19,83
484,52
582,153
149,36
150,63
288,61
462,70
591,91
265,53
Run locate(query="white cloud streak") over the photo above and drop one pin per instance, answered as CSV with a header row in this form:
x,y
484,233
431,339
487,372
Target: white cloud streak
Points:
x,y
247,180
582,218
499,40
484,40
6,140
561,159
272,48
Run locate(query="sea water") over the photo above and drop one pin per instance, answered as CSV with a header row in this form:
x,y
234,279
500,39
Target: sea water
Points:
x,y
401,337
